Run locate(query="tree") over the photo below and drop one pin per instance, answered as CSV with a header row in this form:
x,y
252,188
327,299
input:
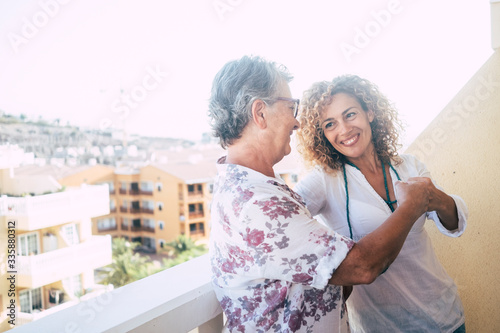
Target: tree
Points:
x,y
184,249
184,243
127,266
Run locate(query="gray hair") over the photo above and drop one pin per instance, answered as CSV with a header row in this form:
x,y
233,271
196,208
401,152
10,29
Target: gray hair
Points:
x,y
235,87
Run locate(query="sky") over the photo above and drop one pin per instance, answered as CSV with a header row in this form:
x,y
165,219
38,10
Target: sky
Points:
x,y
147,66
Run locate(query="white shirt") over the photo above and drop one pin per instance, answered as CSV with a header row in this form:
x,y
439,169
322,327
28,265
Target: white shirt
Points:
x,y
271,260
415,294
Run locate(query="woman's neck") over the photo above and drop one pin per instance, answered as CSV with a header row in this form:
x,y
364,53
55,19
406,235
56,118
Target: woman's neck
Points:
x,y
251,158
368,162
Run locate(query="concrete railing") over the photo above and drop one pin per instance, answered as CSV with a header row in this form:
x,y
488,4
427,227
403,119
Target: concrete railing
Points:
x,y
179,299
43,211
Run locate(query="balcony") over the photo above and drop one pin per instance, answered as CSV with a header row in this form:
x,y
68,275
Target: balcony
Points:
x,y
123,209
196,215
124,227
195,196
135,210
134,192
146,192
145,306
115,227
38,270
148,229
48,210
25,318
148,210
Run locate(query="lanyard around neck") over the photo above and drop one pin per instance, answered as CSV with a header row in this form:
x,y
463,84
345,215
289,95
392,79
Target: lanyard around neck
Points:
x,y
388,201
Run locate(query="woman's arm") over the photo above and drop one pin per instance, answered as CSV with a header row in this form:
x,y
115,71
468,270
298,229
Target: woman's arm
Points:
x,y
375,252
442,203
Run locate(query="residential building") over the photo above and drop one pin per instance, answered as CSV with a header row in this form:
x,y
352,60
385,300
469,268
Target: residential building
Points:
x,y
48,251
155,203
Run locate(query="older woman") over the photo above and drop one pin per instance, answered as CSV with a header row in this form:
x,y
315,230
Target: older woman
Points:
x,y
275,268
349,133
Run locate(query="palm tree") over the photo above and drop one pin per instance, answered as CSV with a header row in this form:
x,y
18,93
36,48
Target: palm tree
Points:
x,y
183,244
184,249
127,266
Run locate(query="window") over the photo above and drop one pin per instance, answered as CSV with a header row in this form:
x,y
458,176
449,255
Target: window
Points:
x,y
211,188
148,204
136,223
111,186
201,227
192,227
70,234
200,188
123,186
149,242
295,178
160,206
159,186
134,187
190,188
29,244
147,186
73,286
200,208
192,208
112,205
150,223
106,224
161,242
161,225
30,300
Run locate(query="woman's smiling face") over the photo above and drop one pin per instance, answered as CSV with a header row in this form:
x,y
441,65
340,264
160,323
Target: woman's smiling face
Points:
x,y
347,126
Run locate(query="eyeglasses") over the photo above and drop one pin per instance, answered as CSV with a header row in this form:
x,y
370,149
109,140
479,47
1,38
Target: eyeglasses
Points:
x,y
295,105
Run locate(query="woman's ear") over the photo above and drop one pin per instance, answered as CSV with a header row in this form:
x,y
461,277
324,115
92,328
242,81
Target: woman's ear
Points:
x,y
259,113
371,115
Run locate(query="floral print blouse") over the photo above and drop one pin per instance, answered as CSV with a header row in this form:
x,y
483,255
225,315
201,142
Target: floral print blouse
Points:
x,y
271,260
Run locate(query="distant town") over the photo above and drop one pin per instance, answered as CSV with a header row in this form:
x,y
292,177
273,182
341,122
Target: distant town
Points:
x,y
54,143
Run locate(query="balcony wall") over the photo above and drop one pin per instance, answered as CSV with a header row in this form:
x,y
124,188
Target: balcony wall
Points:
x,y
461,148
43,211
38,270
25,318
178,299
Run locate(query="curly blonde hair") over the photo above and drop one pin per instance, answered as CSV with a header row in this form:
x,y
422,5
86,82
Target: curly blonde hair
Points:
x,y
315,147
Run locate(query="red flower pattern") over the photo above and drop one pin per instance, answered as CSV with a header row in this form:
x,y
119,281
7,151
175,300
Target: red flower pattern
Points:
x,y
265,239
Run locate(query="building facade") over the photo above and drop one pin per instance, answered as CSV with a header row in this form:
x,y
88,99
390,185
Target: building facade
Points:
x,y
50,253
155,203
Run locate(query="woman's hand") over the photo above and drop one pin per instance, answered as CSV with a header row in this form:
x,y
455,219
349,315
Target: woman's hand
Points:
x,y
414,194
440,202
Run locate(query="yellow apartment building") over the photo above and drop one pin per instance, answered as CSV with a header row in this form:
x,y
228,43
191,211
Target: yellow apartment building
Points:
x,y
154,204
48,253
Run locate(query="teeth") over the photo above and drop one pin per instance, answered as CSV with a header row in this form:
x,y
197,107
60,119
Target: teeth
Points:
x,y
348,142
